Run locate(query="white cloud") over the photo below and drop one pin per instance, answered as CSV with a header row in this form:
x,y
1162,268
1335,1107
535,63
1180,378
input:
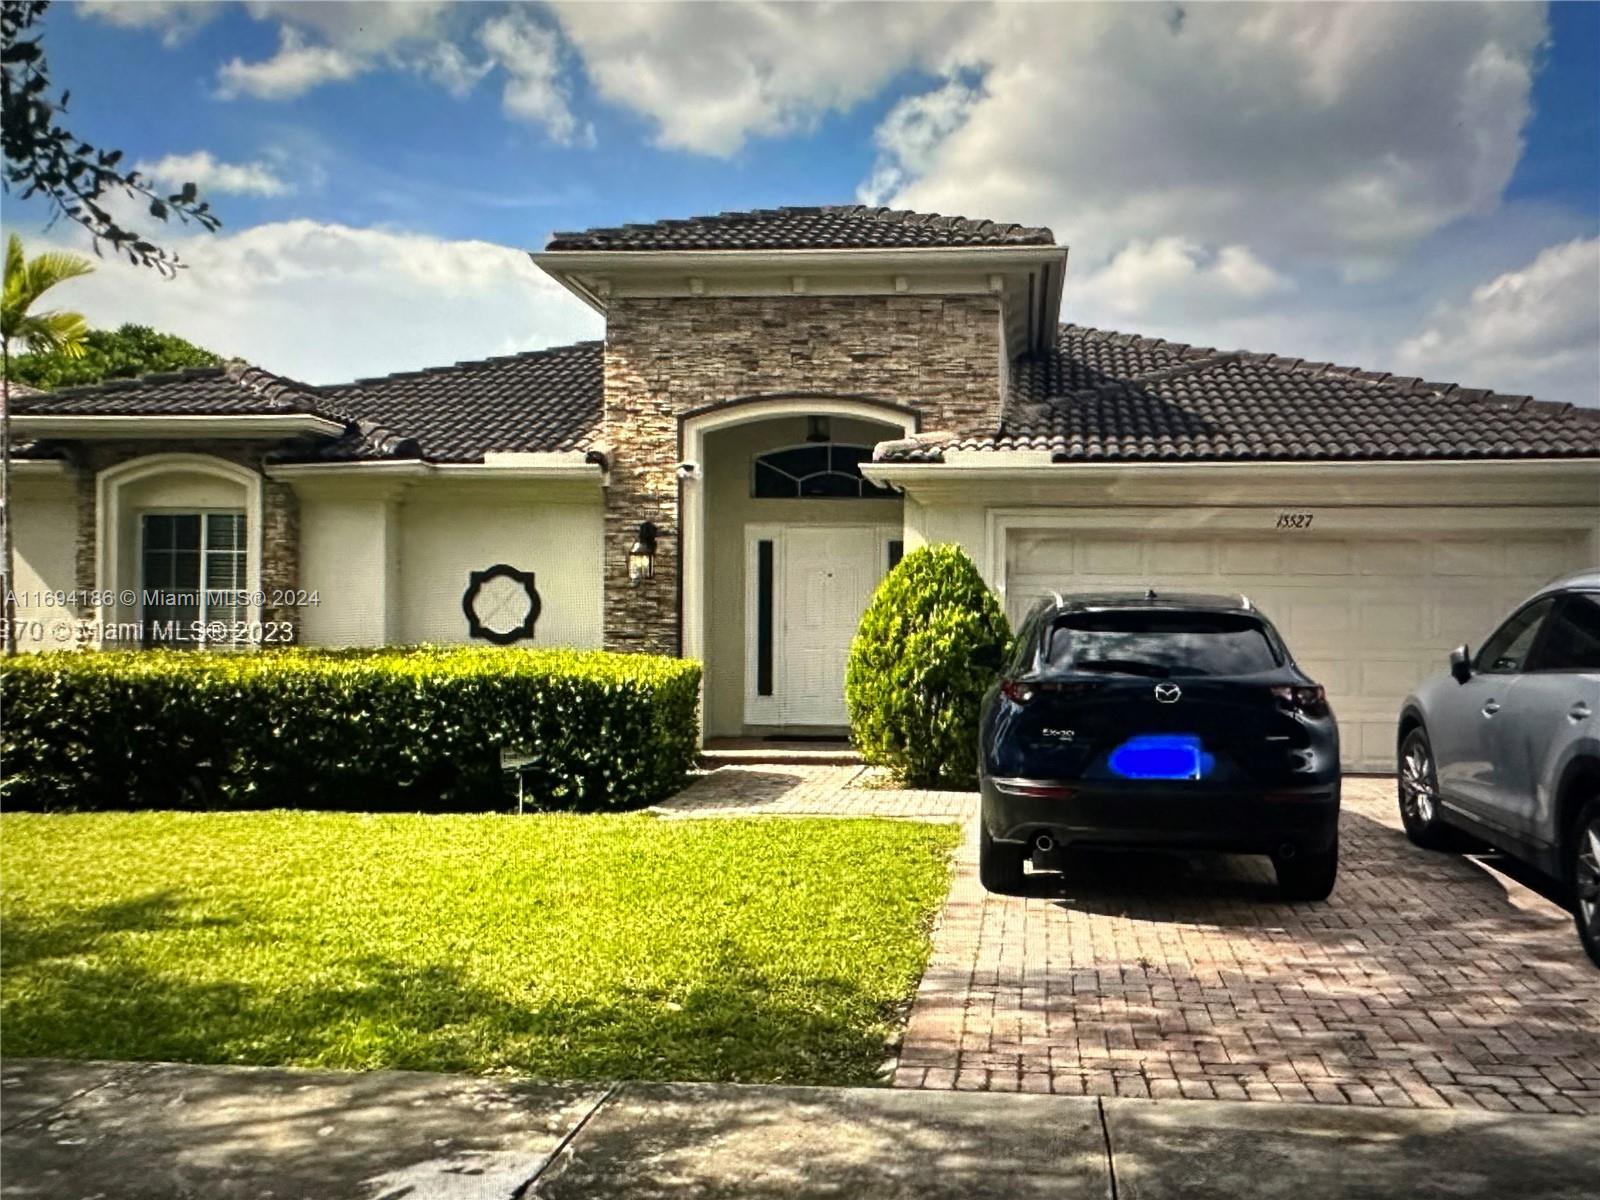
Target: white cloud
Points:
x,y
321,43
176,19
712,75
1536,330
1336,134
328,303
362,27
295,69
911,133
450,68
209,175
530,55
1167,276
1207,164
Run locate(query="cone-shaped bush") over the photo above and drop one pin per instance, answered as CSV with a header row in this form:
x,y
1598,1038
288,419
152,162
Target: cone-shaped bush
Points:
x,y
912,689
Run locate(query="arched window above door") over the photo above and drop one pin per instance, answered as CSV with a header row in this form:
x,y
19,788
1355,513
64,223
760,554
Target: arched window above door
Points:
x,y
815,471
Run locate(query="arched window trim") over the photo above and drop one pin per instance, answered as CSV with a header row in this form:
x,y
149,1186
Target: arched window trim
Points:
x,y
865,489
114,576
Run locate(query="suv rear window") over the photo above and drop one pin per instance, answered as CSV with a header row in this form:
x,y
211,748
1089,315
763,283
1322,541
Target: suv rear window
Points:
x,y
1160,644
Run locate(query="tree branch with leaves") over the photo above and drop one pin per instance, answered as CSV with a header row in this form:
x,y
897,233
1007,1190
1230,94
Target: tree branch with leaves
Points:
x,y
44,158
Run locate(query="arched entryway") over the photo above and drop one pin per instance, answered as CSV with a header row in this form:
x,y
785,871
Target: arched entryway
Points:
x,y
784,542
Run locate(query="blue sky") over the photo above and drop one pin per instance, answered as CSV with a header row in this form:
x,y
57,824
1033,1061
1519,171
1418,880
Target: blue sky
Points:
x,y
1407,187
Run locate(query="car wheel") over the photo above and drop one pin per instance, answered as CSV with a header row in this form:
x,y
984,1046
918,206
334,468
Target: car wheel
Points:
x,y
1308,876
999,864
1418,783
1583,856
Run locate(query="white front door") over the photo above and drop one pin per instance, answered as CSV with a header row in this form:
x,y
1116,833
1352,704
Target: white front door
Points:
x,y
807,587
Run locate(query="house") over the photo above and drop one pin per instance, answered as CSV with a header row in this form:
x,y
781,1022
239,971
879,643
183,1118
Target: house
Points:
x,y
785,401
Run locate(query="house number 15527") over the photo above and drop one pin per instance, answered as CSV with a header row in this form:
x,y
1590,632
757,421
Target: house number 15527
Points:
x,y
1295,520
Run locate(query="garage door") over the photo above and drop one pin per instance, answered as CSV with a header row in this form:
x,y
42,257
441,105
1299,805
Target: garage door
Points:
x,y
1368,616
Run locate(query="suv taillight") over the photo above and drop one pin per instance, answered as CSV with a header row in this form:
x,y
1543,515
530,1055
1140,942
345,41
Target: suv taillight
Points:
x,y
1312,701
1017,693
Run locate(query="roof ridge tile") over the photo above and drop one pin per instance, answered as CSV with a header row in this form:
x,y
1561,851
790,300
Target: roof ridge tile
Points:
x,y
838,226
464,365
123,383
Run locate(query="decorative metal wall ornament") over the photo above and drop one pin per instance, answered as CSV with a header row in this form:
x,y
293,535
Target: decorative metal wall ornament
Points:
x,y
501,604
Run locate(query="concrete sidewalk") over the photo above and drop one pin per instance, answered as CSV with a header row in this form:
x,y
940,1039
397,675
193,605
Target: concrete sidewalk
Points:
x,y
121,1131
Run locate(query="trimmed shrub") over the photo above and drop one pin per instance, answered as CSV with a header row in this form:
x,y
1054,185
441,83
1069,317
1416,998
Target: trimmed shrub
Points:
x,y
911,687
399,730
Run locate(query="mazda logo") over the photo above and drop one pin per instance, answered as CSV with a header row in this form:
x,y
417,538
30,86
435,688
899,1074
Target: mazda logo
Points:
x,y
1168,693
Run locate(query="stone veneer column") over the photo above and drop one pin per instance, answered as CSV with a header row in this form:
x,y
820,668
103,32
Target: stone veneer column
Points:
x,y
942,355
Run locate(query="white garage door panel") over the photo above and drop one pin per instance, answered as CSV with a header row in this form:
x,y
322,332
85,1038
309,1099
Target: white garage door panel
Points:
x,y
1368,616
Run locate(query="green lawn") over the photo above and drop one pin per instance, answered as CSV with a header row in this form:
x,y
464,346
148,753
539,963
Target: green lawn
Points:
x,y
561,946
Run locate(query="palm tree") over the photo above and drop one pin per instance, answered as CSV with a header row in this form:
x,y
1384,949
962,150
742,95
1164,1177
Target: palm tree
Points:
x,y
47,332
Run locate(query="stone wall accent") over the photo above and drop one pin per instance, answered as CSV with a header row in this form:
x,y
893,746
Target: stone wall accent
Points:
x,y
942,355
280,510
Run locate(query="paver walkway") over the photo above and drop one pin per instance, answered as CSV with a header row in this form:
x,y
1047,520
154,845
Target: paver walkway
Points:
x,y
1428,980
806,791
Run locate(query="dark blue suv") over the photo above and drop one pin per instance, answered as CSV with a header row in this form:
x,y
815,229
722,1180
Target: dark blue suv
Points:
x,y
1173,721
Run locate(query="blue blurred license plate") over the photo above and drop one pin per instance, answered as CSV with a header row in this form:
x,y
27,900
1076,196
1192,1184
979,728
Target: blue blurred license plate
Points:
x,y
1159,756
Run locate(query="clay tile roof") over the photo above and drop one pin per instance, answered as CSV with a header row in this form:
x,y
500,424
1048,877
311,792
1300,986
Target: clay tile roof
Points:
x,y
237,389
542,400
829,227
1100,396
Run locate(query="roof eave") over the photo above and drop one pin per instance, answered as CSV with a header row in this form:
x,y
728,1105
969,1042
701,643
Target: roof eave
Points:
x,y
570,465
81,426
965,469
1040,464
943,256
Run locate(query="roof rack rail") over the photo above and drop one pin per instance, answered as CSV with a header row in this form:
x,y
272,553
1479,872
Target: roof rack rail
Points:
x,y
1056,596
1244,603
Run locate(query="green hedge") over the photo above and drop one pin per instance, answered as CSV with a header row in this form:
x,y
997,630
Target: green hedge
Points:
x,y
412,730
911,687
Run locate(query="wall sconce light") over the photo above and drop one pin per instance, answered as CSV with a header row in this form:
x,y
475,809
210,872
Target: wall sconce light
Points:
x,y
642,554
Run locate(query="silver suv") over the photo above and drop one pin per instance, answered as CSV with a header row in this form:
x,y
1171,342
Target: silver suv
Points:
x,y
1505,746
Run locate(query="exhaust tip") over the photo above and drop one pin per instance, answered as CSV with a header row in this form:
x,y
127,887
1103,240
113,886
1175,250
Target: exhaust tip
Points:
x,y
1044,843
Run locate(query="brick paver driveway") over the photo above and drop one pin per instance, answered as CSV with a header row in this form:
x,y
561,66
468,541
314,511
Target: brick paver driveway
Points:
x,y
1427,980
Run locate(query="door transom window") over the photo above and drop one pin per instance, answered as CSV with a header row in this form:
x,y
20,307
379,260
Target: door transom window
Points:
x,y
815,471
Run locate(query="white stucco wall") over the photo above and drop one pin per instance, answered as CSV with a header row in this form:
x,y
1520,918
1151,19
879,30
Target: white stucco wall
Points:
x,y
964,525
389,563
45,535
446,534
348,552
